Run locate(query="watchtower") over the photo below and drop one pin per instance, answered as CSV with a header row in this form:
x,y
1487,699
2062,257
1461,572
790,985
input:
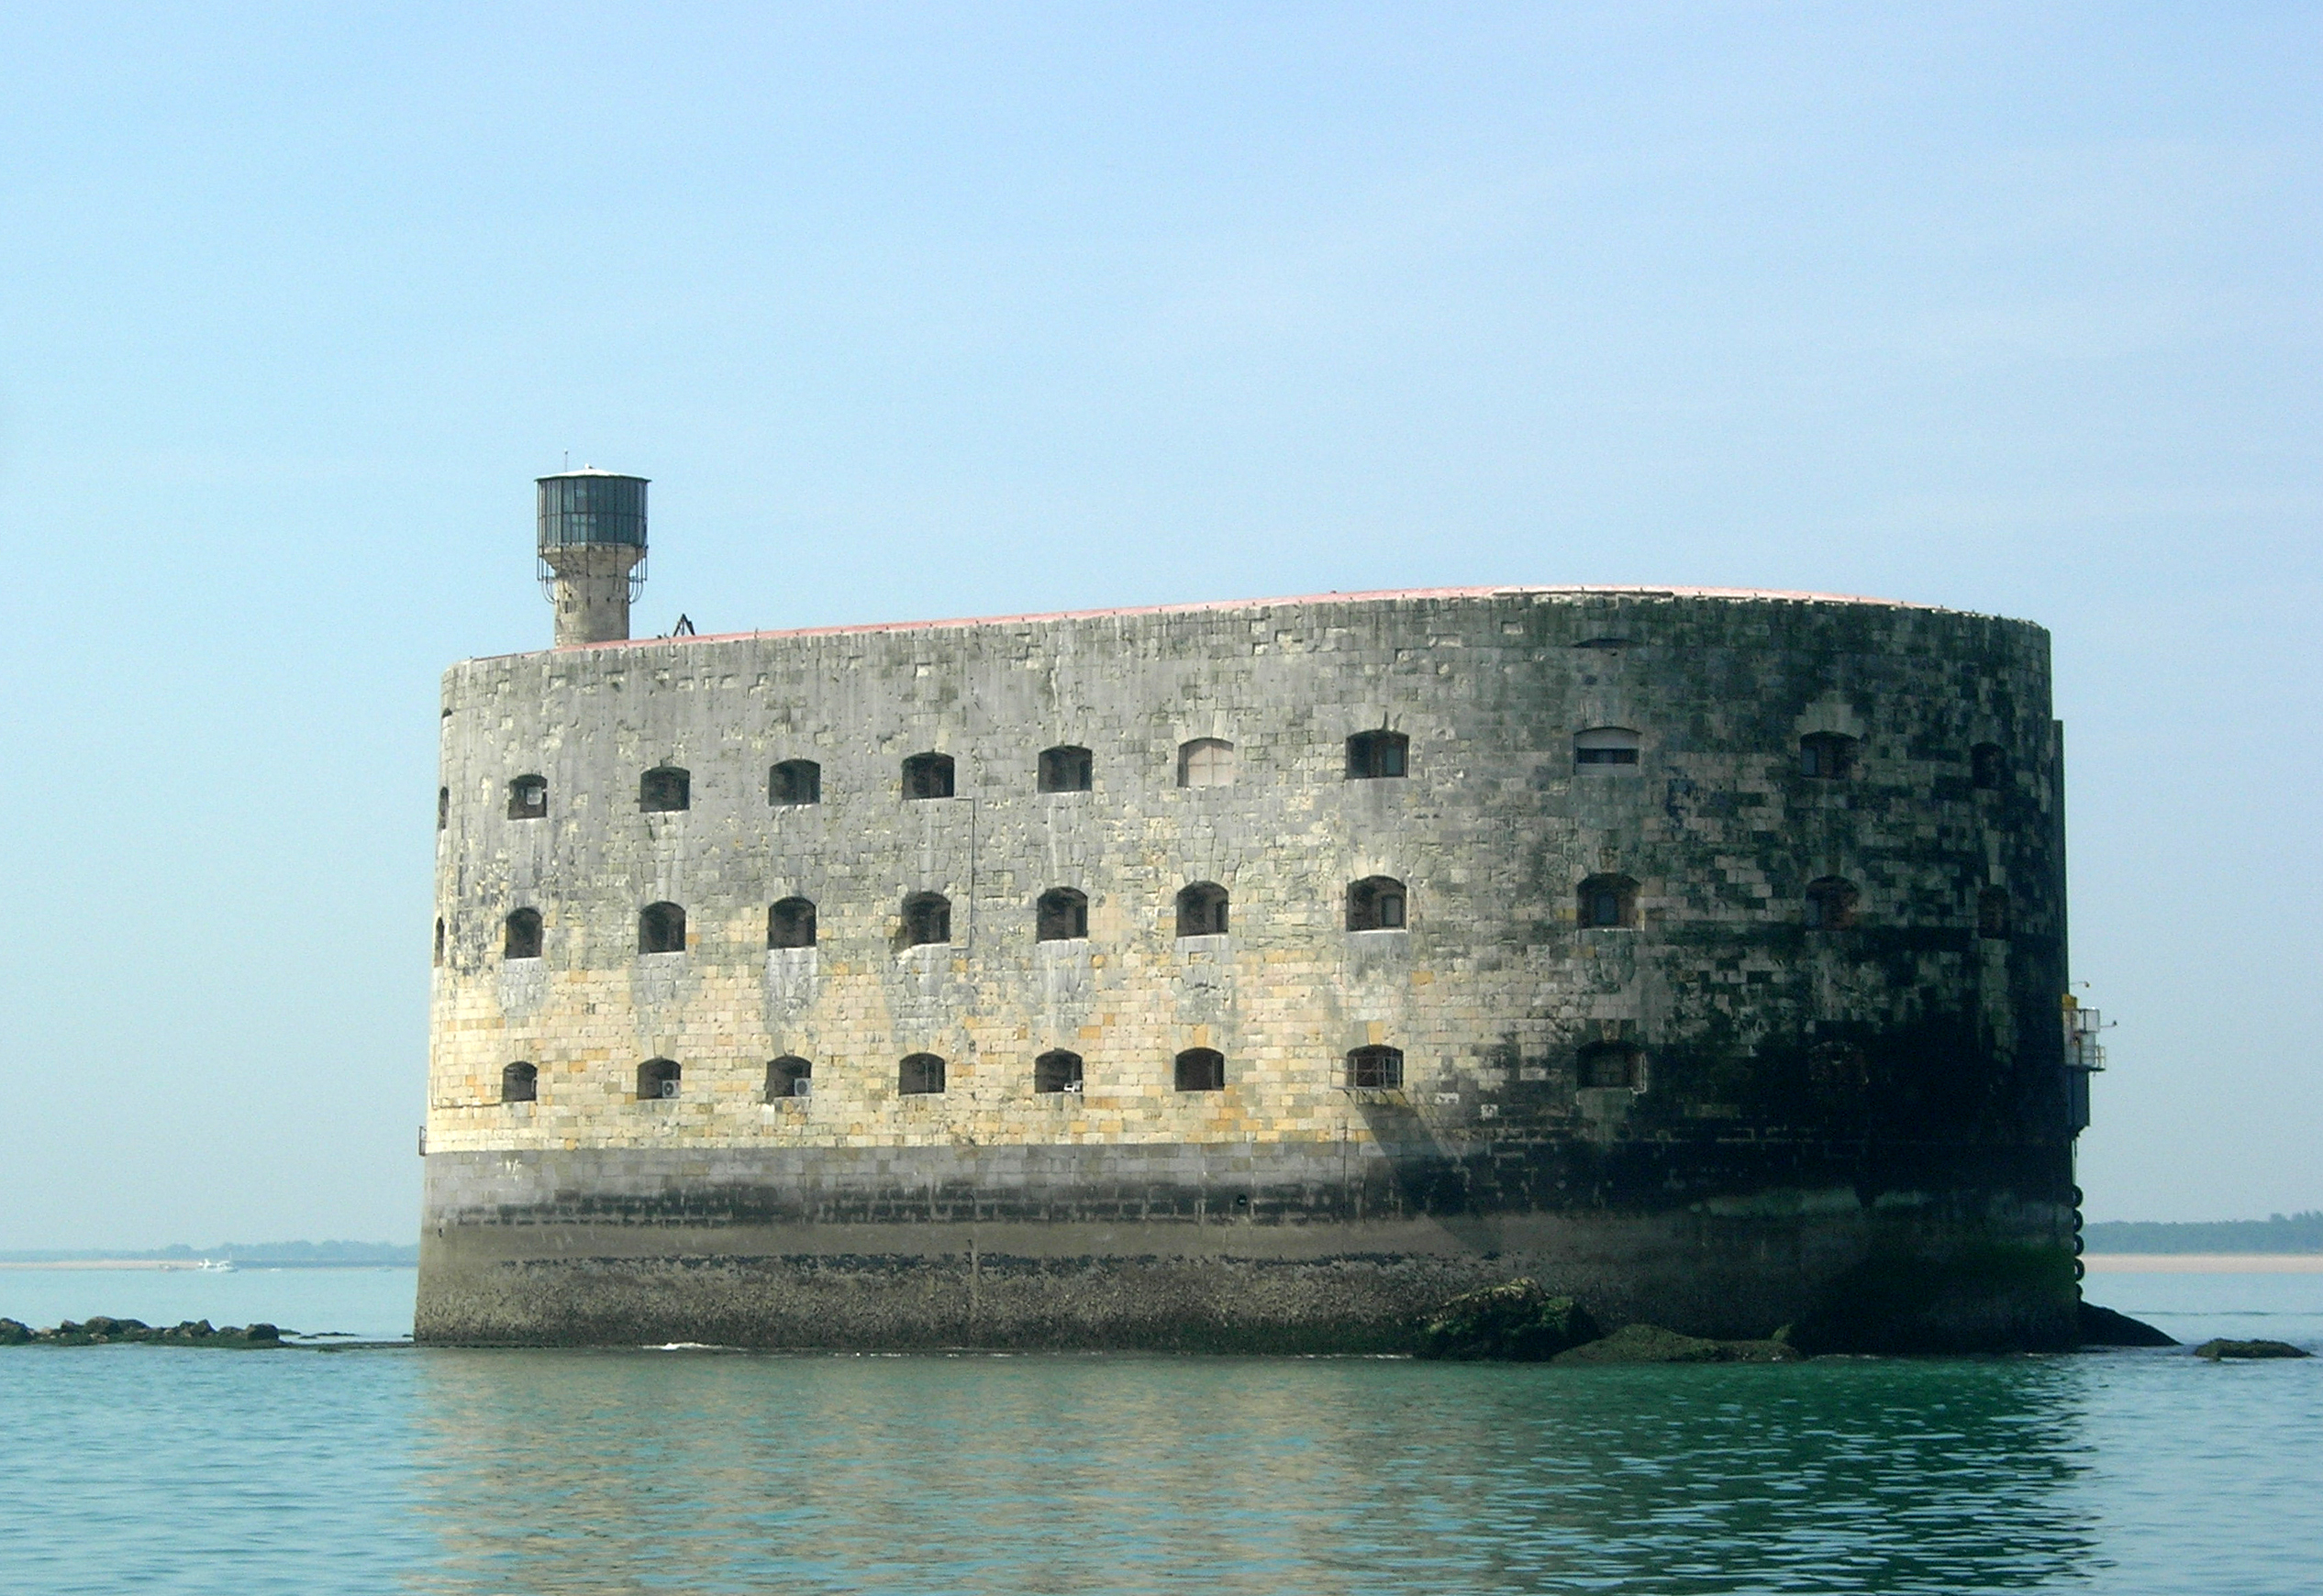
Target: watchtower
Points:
x,y
592,552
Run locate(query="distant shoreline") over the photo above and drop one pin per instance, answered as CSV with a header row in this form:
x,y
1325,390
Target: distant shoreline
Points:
x,y
2203,1263
193,1265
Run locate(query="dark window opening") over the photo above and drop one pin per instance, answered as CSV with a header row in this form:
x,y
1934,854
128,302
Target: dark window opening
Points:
x,y
1201,1070
1057,1071
1201,910
1206,762
523,940
443,807
1376,1070
1375,754
1826,756
1062,916
927,918
1831,904
791,924
1608,644
1375,904
657,1079
1066,770
1605,745
661,929
789,1077
664,789
795,782
928,776
1608,901
1604,1064
1992,912
919,1074
1987,766
528,798
440,939
519,1082
1837,1067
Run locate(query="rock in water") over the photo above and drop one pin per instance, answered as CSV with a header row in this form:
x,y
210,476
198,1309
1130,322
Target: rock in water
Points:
x,y
1517,1322
1652,1344
2214,1350
2104,1328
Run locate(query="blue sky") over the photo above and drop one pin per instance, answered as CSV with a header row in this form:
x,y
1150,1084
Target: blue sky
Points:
x,y
921,311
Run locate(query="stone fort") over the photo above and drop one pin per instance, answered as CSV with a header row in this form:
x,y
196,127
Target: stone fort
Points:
x,y
1248,975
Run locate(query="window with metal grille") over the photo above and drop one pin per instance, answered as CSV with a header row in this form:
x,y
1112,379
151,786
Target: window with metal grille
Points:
x,y
1066,770
519,1082
1062,916
1604,1064
927,918
1057,1071
662,929
1608,901
791,924
919,1074
1992,912
665,790
1375,904
528,798
1831,904
788,1076
1604,748
1201,910
1987,766
522,939
1826,756
1376,1070
443,807
928,776
1206,762
795,782
1201,1070
1375,754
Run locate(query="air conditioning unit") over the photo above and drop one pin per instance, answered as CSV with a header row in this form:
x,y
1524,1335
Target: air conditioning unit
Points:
x,y
668,1088
802,1087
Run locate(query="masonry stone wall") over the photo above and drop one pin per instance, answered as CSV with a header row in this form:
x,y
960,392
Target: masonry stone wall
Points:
x,y
1771,1056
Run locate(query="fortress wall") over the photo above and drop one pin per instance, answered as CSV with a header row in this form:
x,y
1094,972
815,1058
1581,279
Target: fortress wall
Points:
x,y
1945,1098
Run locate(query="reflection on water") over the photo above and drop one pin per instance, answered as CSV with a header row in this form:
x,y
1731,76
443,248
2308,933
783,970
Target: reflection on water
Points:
x,y
577,1472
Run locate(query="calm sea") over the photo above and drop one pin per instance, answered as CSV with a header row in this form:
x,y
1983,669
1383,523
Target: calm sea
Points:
x,y
149,1470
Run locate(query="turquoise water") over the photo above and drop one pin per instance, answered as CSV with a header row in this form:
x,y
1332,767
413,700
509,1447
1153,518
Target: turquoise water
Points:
x,y
163,1470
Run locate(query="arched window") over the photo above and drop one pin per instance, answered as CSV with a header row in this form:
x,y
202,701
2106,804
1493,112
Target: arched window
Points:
x,y
1608,901
1062,916
1376,1070
1201,910
523,939
657,1079
1201,1070
928,776
1375,754
661,929
795,782
1066,770
927,918
665,789
919,1074
1057,1071
440,940
1826,756
528,798
1831,904
791,924
1375,904
1992,912
1987,766
1604,1064
1206,762
789,1077
519,1082
443,807
1604,748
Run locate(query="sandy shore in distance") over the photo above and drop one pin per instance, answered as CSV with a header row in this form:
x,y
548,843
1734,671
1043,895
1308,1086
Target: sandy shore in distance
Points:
x,y
2203,1263
108,1263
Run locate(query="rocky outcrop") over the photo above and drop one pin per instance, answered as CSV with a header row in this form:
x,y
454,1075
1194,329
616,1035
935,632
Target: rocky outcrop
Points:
x,y
1652,1344
101,1331
1515,1322
2214,1350
2104,1328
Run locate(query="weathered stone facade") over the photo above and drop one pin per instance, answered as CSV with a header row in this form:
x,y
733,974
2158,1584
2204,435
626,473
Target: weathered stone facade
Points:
x,y
1720,1114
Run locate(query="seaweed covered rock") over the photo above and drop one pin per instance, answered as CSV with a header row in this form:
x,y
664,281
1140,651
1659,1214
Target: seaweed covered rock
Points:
x,y
2104,1328
102,1331
14,1334
1516,1322
2214,1350
1652,1344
